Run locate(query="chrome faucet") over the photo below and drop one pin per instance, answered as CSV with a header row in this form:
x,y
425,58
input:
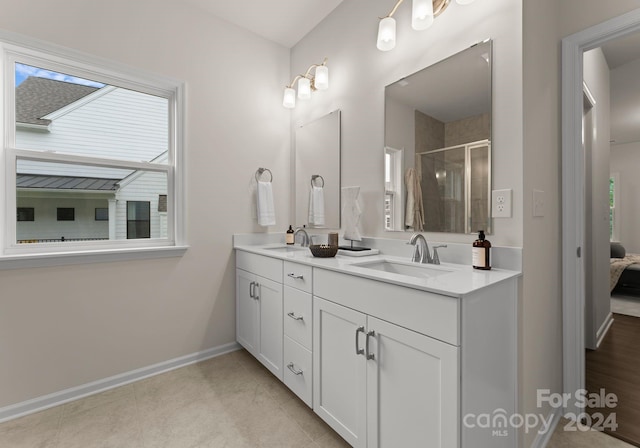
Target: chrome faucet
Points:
x,y
305,235
421,253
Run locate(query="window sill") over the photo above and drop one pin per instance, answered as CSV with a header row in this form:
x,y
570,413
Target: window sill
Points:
x,y
89,256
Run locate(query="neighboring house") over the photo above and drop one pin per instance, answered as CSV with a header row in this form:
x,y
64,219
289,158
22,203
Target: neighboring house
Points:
x,y
77,202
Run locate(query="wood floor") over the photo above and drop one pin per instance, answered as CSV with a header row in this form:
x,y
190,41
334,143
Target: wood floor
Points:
x,y
615,366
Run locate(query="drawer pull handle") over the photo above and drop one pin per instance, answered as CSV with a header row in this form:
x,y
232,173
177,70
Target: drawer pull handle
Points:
x,y
294,317
294,276
291,367
366,345
359,351
252,289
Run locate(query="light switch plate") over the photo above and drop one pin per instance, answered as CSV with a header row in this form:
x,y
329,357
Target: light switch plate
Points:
x,y
538,203
501,204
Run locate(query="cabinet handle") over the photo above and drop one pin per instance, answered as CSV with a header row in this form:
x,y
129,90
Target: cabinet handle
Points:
x,y
256,295
294,276
252,289
294,317
359,351
292,368
366,345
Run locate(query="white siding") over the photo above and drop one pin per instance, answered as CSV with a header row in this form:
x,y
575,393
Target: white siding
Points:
x,y
46,225
144,187
120,124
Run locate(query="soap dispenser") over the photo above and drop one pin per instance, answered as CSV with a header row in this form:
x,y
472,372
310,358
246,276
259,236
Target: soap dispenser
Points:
x,y
290,237
481,252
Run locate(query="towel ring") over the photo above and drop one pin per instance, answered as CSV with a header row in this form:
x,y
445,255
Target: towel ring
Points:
x,y
261,171
315,177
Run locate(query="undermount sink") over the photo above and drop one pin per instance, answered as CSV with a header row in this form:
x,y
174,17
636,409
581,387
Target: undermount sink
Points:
x,y
408,268
286,249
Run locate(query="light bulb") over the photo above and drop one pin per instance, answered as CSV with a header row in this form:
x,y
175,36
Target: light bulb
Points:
x,y
304,88
422,14
387,34
289,100
322,77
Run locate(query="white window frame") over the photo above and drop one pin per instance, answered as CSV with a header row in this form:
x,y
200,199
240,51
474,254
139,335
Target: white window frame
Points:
x,y
615,209
14,48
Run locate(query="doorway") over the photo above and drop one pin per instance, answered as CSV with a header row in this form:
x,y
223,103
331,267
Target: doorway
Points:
x,y
578,251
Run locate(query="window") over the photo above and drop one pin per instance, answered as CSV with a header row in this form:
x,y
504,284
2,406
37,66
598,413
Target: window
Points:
x,y
26,214
101,214
393,188
138,219
66,214
614,200
93,144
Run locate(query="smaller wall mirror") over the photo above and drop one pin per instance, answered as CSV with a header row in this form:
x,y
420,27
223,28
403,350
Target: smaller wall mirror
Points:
x,y
438,146
317,173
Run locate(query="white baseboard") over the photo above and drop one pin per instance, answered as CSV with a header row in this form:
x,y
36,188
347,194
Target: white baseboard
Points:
x,y
542,439
604,329
64,396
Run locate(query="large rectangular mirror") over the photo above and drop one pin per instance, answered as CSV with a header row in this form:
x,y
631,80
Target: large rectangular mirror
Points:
x,y
437,155
317,172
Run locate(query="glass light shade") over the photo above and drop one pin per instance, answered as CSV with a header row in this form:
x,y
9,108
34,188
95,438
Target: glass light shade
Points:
x,y
289,100
464,2
322,77
387,34
304,88
422,14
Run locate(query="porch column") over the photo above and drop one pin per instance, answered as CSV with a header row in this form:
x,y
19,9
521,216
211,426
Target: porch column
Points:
x,y
112,219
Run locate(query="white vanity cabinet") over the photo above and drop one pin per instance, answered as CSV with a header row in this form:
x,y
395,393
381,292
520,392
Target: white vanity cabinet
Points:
x,y
298,321
380,385
396,366
259,305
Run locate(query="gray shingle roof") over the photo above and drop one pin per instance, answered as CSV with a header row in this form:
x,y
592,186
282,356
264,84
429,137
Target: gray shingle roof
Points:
x,y
38,97
66,182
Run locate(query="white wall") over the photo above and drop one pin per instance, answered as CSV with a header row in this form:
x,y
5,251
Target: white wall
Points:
x,y
359,73
625,160
597,306
541,306
142,312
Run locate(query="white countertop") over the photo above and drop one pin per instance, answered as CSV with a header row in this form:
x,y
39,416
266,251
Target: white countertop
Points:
x,y
459,281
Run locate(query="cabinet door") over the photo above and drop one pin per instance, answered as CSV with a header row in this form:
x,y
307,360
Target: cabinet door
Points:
x,y
269,297
339,373
412,389
247,312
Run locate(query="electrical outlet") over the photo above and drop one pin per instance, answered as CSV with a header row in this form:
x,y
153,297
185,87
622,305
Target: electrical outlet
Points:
x,y
501,204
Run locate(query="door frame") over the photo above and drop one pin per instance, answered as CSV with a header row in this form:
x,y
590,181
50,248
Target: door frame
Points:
x,y
573,184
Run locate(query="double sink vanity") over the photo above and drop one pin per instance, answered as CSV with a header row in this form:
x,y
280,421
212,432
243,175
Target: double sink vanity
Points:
x,y
387,351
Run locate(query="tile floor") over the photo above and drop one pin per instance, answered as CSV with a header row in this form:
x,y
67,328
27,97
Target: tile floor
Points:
x,y
229,401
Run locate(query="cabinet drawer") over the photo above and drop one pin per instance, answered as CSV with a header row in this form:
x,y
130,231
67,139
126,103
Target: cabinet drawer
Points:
x,y
425,312
298,276
267,267
298,370
298,316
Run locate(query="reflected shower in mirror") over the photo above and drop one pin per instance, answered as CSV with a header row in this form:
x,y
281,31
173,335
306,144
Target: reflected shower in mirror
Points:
x,y
437,155
317,173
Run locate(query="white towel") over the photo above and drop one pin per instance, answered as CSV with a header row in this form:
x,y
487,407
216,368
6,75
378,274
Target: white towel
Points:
x,y
316,206
266,210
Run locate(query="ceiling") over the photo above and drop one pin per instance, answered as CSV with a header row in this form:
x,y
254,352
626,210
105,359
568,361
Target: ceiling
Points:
x,y
281,21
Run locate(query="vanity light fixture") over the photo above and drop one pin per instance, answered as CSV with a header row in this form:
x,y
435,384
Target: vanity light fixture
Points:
x,y
307,83
423,13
